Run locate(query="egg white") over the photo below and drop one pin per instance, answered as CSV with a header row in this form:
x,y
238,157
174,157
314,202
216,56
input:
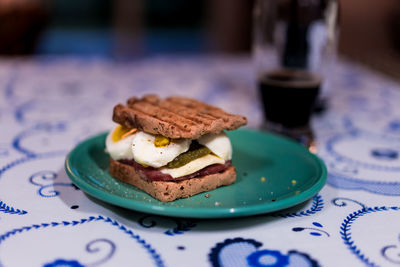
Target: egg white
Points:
x,y
120,149
140,147
219,144
146,153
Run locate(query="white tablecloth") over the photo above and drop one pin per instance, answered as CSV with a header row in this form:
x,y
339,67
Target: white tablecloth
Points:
x,y
48,105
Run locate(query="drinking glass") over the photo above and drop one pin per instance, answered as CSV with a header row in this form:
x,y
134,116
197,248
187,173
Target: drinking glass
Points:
x,y
293,48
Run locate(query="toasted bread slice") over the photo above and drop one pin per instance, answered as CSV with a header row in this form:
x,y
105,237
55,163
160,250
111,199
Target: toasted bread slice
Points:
x,y
175,117
170,191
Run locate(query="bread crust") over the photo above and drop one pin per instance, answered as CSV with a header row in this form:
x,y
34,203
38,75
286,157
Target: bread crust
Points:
x,y
175,117
167,191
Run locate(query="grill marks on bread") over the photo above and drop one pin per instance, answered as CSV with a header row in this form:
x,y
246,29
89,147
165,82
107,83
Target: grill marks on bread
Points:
x,y
175,117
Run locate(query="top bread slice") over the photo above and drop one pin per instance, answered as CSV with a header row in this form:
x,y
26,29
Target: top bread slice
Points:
x,y
175,117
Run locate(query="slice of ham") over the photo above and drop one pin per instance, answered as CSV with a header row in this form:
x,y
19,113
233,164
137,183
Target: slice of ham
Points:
x,y
153,174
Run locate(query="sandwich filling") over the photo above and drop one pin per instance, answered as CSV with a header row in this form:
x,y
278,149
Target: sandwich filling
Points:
x,y
159,158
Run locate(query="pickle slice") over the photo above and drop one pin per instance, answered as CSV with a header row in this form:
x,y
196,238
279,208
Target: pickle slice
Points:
x,y
195,151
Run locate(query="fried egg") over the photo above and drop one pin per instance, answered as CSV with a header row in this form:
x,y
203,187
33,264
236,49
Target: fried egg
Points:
x,y
219,144
118,142
145,151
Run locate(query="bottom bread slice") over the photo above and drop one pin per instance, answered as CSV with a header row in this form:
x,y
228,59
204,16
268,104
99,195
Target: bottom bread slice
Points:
x,y
169,191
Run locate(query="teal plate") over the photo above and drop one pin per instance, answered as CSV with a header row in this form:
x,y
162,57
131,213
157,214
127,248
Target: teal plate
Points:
x,y
273,173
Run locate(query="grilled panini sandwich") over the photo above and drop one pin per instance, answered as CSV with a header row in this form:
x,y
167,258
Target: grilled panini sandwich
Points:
x,y
172,148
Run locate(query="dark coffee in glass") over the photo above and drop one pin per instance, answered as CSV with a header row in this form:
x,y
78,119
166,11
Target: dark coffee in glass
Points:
x,y
288,96
294,42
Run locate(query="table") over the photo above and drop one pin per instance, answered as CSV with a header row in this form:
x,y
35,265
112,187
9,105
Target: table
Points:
x,y
48,105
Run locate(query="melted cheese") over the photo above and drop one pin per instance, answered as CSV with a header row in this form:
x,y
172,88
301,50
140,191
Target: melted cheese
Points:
x,y
193,166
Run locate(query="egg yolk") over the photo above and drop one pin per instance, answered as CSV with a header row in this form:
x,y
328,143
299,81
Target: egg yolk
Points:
x,y
121,132
161,141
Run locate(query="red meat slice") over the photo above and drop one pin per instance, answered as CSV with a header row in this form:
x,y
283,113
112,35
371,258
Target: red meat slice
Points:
x,y
153,174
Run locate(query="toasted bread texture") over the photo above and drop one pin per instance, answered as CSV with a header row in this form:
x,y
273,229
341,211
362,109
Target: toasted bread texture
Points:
x,y
175,117
170,191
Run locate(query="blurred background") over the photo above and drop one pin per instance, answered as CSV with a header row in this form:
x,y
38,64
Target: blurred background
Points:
x,y
129,29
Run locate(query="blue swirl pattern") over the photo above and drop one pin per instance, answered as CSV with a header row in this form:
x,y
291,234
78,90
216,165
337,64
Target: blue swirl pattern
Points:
x,y
151,251
345,231
50,104
46,181
317,205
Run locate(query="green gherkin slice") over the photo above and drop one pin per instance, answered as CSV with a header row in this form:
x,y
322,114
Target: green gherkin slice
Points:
x,y
195,151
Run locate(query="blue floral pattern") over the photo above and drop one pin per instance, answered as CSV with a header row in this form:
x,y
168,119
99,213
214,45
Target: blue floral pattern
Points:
x,y
263,258
48,105
246,252
379,157
64,263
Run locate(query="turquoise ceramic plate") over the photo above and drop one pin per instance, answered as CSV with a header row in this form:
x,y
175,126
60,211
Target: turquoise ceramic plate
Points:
x,y
273,173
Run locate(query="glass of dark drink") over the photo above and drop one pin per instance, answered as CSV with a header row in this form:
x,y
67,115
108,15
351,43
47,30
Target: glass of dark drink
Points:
x,y
293,48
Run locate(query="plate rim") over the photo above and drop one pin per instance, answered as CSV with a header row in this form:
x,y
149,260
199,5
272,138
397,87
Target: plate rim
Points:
x,y
190,212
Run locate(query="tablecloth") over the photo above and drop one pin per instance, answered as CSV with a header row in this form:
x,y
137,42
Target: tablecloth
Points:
x,y
48,105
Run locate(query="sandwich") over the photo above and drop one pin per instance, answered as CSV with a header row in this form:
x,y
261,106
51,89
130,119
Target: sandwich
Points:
x,y
172,148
